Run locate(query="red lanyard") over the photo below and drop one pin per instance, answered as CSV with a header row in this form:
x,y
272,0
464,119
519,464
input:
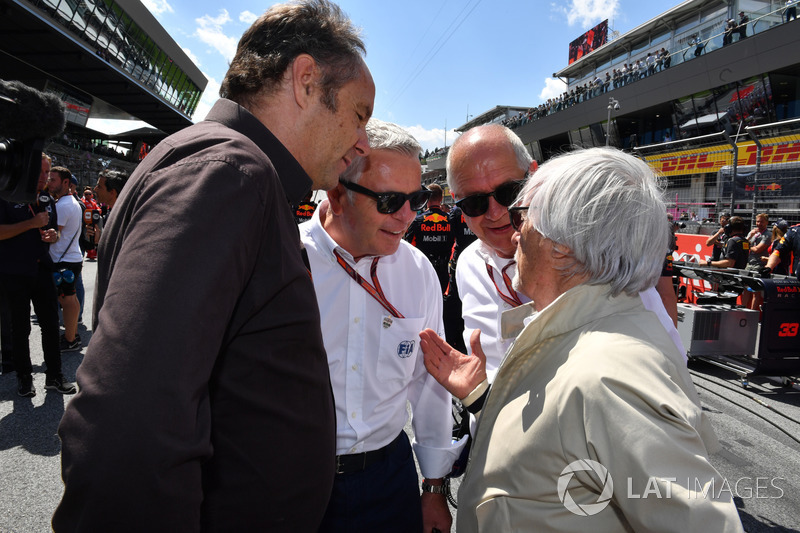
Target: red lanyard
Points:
x,y
374,291
512,298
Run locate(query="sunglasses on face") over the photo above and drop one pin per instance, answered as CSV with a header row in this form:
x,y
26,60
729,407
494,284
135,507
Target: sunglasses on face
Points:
x,y
391,202
476,205
518,215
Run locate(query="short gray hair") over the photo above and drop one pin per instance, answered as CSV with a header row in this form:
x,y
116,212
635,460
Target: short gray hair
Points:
x,y
382,136
524,159
604,209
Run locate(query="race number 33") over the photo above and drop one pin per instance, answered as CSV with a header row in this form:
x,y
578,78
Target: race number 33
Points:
x,y
788,329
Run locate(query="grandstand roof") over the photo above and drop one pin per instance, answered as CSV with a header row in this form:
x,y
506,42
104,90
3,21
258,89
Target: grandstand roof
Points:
x,y
491,115
34,48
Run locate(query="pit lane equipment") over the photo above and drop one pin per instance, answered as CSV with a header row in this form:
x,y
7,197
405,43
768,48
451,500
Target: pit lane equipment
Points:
x,y
717,331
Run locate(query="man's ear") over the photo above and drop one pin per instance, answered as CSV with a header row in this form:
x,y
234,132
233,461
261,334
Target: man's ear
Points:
x,y
305,76
336,197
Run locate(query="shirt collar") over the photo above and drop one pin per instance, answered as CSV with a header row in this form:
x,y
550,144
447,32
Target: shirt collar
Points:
x,y
326,243
490,256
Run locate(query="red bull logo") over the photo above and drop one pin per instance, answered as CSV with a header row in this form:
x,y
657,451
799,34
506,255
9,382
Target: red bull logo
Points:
x,y
770,187
435,218
789,289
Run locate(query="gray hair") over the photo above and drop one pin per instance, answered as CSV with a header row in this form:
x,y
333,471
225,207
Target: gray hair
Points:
x,y
605,210
524,159
381,136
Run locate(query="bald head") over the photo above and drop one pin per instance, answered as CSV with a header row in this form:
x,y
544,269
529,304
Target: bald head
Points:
x,y
484,146
480,161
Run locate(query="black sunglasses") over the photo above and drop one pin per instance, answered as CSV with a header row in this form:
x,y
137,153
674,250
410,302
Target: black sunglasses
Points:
x,y
518,214
390,202
476,205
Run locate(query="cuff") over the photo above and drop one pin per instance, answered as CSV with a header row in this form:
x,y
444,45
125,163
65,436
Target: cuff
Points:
x,y
436,463
477,396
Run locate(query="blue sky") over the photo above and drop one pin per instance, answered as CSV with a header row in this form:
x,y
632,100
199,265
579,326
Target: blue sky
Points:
x,y
434,61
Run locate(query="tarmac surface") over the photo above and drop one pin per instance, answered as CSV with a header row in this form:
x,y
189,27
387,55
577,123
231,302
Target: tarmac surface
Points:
x,y
759,429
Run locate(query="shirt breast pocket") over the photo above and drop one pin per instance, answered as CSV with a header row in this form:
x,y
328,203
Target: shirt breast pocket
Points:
x,y
399,347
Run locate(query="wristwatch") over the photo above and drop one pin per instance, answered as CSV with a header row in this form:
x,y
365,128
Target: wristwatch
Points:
x,y
435,489
708,262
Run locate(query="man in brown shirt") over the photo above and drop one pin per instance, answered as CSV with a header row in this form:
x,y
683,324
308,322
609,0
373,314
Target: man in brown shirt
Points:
x,y
205,401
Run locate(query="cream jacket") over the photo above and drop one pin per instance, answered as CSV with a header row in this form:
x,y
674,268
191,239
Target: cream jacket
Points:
x,y
594,378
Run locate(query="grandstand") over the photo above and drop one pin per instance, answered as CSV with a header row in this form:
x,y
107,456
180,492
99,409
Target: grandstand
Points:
x,y
718,120
106,59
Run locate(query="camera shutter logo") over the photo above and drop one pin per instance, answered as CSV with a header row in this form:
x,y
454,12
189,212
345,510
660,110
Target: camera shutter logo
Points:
x,y
587,509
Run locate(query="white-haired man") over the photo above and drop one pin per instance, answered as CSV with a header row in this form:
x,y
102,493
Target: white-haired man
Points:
x,y
376,293
486,167
593,401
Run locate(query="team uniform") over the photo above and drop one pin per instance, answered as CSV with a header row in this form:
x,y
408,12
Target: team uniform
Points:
x,y
718,247
738,249
304,211
453,319
431,232
789,245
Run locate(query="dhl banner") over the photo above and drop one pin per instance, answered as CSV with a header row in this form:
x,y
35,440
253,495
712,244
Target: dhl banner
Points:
x,y
776,150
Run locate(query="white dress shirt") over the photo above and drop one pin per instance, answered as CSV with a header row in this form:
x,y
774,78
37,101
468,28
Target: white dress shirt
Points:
x,y
653,302
375,362
482,304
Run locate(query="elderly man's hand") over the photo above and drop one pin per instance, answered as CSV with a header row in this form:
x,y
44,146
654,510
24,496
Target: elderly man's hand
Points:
x,y
457,372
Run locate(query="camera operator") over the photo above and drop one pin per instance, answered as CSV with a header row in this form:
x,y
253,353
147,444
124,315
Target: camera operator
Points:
x,y
737,249
718,239
26,232
66,255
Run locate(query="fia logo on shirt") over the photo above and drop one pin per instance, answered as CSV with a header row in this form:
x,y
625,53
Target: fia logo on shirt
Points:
x,y
405,349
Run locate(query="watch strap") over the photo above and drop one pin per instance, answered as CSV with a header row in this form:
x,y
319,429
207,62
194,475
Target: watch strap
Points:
x,y
435,489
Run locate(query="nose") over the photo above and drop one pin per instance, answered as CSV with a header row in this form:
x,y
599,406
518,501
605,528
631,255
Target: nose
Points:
x,y
496,211
405,213
362,143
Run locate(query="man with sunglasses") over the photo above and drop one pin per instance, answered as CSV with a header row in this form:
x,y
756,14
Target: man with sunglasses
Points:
x,y
376,292
594,400
486,168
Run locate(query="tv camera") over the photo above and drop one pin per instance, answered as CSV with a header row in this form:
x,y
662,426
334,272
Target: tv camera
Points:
x,y
27,118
